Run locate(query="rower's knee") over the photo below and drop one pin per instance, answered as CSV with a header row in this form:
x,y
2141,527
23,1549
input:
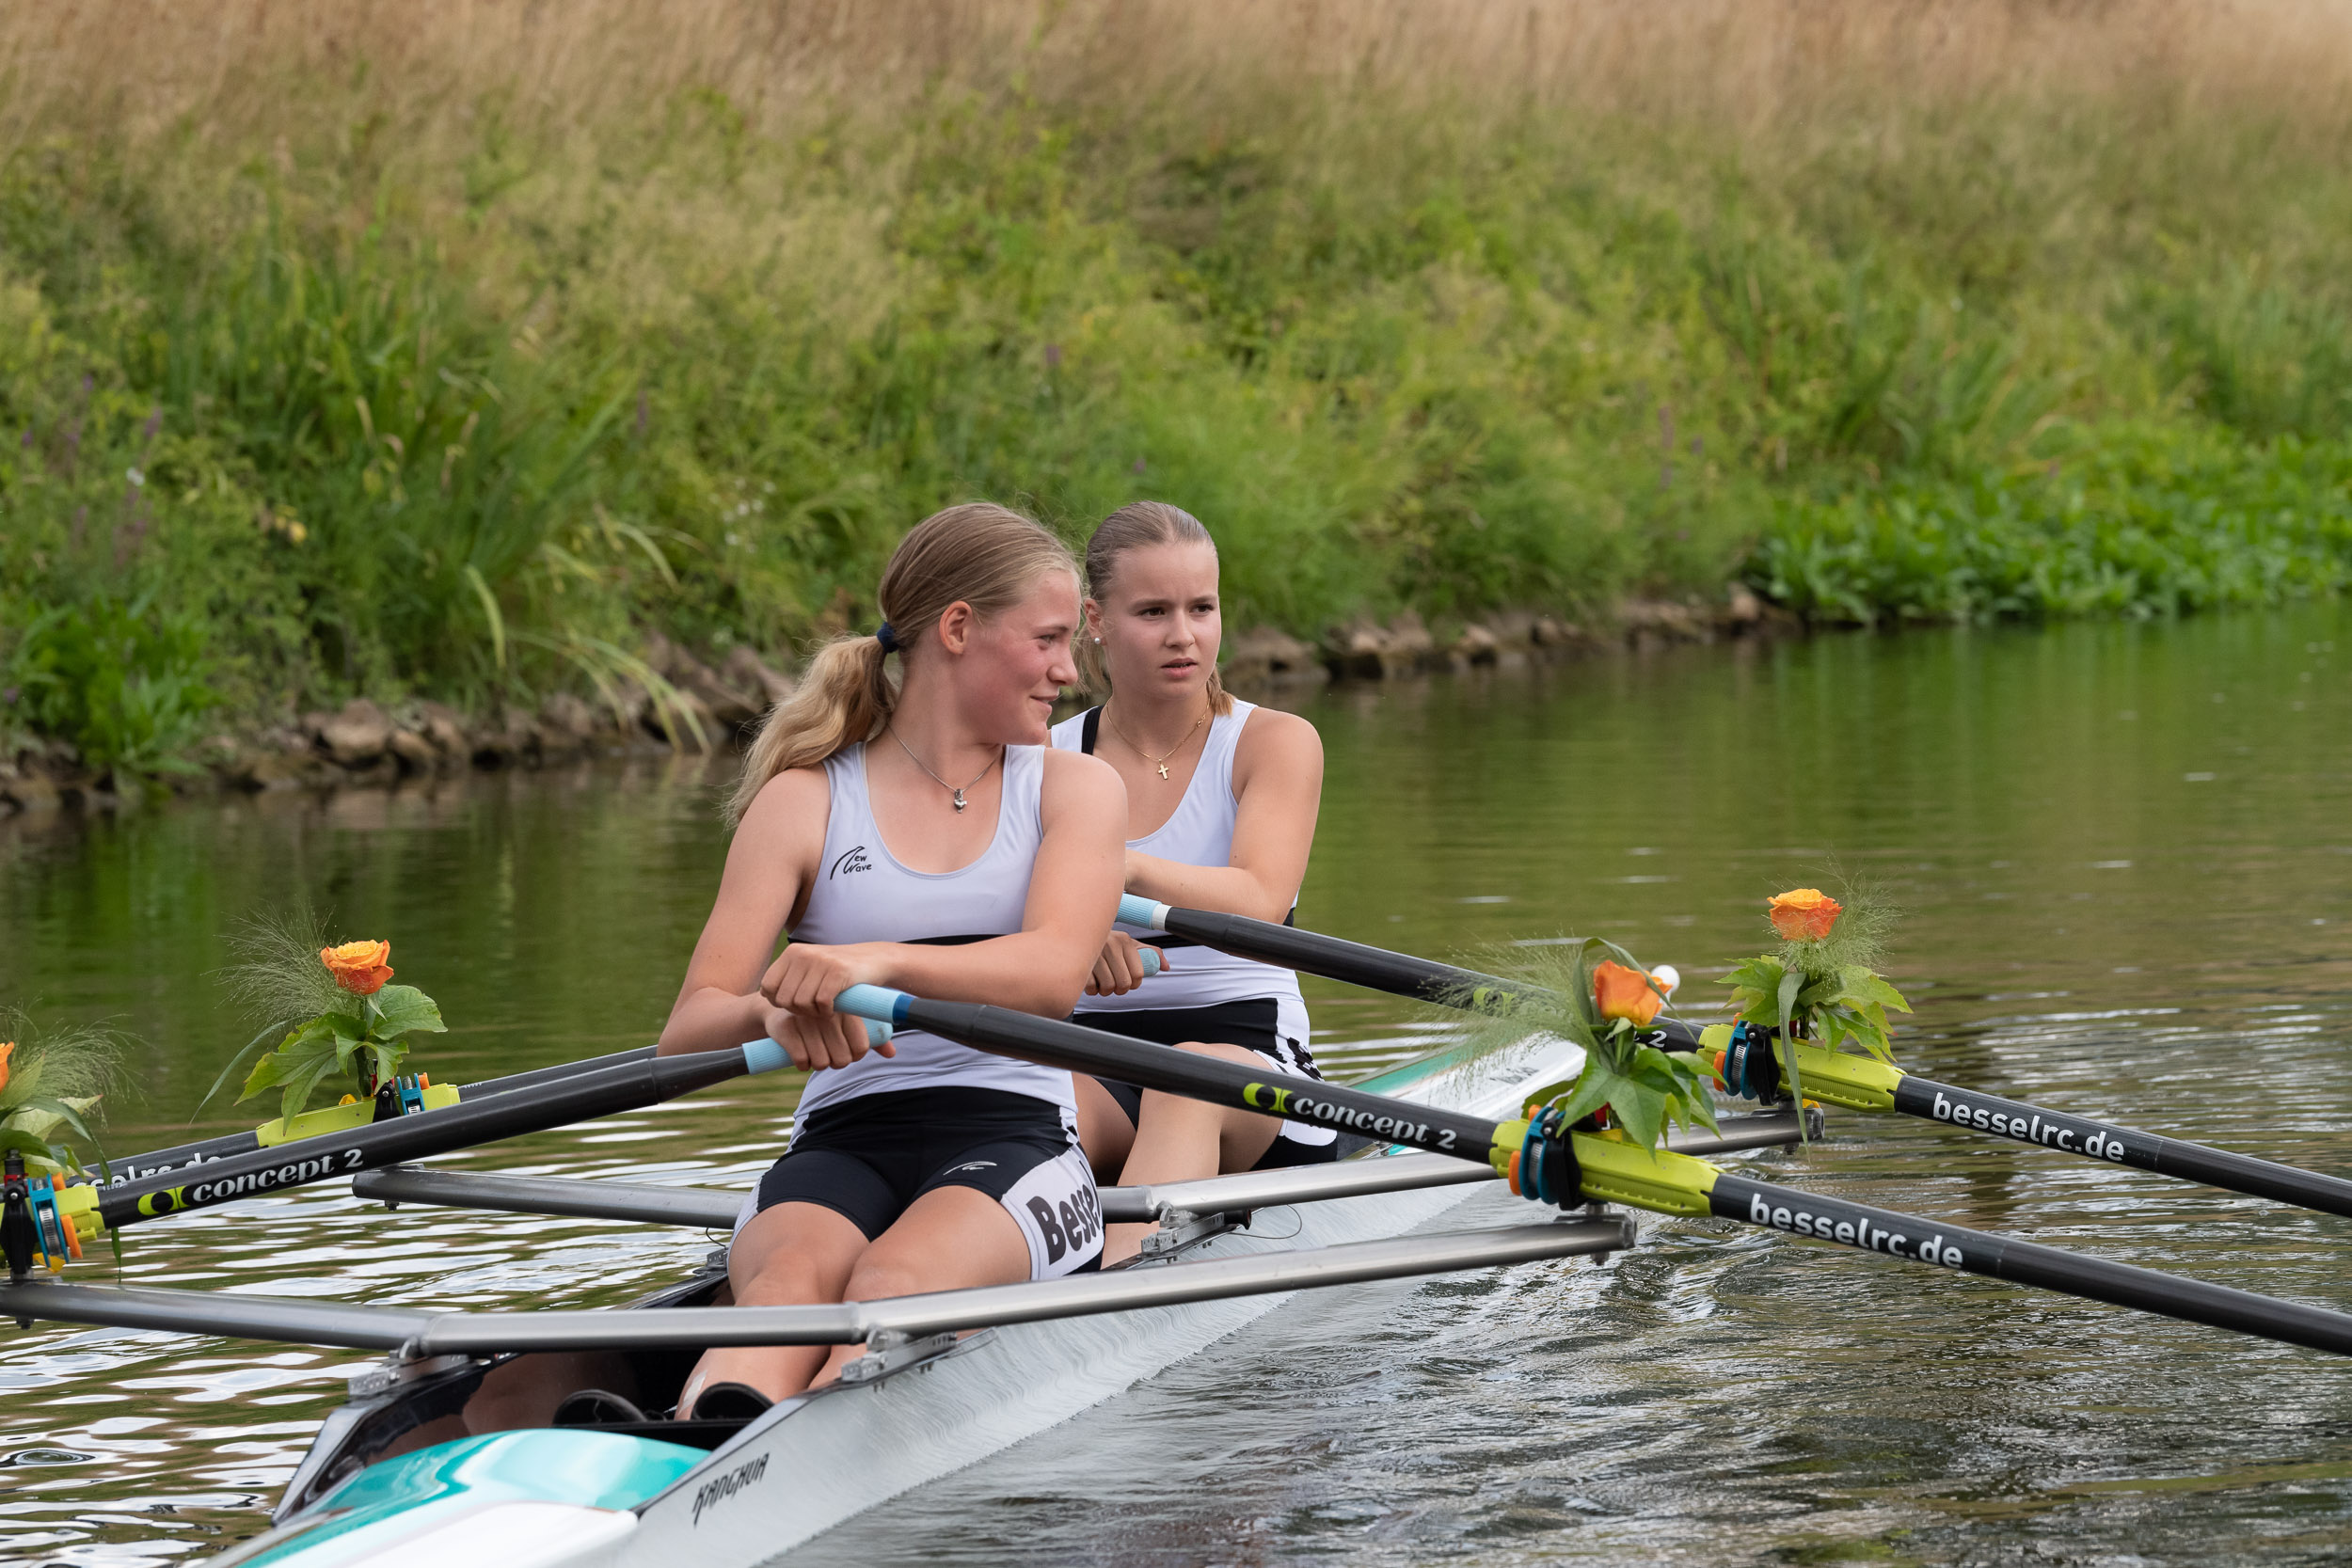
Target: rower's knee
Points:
x,y
782,1280
880,1278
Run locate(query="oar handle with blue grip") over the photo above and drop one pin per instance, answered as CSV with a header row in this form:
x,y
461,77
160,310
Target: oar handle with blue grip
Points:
x,y
1136,910
885,1009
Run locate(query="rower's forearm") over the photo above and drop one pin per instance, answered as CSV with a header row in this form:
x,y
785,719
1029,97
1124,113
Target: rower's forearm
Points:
x,y
713,1019
1029,971
1227,888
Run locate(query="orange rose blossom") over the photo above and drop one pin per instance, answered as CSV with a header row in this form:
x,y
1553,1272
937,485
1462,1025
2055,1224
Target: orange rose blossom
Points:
x,y
1805,914
359,967
7,1048
1622,992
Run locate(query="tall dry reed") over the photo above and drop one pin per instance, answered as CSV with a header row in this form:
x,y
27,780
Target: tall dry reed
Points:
x,y
236,69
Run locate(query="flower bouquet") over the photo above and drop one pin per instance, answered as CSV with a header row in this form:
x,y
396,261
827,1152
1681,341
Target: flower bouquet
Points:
x,y
1596,995
1822,984
49,1089
332,1010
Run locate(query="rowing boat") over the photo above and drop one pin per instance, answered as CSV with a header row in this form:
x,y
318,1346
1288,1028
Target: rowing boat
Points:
x,y
921,1404
449,1449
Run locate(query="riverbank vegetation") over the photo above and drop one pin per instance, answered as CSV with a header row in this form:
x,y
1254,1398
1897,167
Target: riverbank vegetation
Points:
x,y
455,350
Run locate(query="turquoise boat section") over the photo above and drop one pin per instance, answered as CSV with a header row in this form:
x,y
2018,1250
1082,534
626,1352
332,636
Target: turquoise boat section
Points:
x,y
589,1469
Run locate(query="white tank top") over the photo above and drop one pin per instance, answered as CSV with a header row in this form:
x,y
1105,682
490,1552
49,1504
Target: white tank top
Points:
x,y
1199,833
864,895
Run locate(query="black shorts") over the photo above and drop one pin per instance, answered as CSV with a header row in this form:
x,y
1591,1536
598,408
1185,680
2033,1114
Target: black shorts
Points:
x,y
869,1158
1250,1024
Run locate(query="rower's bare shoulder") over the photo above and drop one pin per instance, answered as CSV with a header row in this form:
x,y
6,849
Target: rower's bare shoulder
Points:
x,y
1282,742
1073,778
789,811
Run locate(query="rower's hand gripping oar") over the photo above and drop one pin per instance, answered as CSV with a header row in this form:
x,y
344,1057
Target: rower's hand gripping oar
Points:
x,y
1753,1063
1545,1161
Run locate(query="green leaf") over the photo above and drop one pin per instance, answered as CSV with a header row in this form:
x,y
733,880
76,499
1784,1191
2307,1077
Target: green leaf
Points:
x,y
1760,973
1641,1110
1865,985
302,1081
1790,984
398,1010
1591,1091
313,1042
238,1061
385,1057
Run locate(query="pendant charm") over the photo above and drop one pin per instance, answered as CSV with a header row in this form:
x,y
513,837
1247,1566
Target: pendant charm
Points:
x,y
959,799
1163,770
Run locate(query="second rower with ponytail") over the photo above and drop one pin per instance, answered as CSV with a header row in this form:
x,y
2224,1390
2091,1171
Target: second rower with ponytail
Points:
x,y
1221,803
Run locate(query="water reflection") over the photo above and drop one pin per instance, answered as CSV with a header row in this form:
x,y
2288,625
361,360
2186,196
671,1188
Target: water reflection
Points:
x,y
2127,854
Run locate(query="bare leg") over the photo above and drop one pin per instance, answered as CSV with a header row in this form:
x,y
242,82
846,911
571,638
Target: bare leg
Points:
x,y
950,1239
1103,1131
791,1254
1180,1140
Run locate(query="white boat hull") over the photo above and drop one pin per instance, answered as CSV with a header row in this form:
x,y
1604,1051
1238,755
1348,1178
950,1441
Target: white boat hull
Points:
x,y
811,1463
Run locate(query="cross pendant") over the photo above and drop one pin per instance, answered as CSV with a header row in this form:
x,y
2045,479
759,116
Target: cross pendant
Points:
x,y
1163,766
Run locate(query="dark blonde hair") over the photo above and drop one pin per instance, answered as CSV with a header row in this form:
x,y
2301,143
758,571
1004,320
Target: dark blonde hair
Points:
x,y
1132,525
987,556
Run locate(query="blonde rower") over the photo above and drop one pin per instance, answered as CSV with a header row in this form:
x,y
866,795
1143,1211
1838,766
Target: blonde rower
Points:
x,y
923,837
1221,805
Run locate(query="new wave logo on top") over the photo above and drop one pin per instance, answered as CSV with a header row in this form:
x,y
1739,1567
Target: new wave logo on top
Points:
x,y
851,861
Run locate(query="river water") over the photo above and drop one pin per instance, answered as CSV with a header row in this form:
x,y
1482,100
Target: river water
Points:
x,y
2126,853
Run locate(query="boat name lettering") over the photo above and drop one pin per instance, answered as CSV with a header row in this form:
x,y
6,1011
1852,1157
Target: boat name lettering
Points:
x,y
726,1486
2032,1129
1851,1232
1290,1102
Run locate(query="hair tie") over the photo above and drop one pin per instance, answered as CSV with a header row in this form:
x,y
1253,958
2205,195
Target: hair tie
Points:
x,y
886,635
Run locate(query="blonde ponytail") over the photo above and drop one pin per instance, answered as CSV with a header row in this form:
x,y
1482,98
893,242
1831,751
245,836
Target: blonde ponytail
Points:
x,y
987,556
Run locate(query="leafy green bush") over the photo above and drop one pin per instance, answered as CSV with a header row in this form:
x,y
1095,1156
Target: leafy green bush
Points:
x,y
123,684
472,419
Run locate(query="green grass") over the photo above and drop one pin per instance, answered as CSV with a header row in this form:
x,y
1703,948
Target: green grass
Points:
x,y
469,419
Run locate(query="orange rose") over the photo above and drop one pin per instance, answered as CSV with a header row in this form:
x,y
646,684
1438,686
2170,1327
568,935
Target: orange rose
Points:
x,y
1622,992
7,1048
1806,914
359,967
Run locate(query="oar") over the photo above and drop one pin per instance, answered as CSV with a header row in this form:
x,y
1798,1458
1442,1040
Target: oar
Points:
x,y
1837,1078
155,1162
583,1097
1569,1169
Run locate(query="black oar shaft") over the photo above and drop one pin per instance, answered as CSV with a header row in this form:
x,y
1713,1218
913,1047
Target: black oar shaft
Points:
x,y
1956,1248
1403,975
1334,957
1073,1047
155,1162
633,1084
2015,1119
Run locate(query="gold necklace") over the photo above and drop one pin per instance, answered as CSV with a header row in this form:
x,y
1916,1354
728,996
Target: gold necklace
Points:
x,y
1159,762
942,783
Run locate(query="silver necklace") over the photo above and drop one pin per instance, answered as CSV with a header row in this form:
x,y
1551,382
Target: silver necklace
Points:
x,y
943,784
